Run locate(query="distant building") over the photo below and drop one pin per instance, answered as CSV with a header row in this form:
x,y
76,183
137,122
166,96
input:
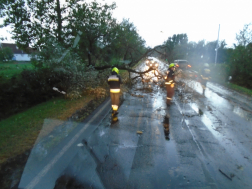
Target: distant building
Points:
x,y
125,61
19,55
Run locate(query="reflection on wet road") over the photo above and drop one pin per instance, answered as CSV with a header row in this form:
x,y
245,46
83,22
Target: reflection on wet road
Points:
x,y
229,122
197,142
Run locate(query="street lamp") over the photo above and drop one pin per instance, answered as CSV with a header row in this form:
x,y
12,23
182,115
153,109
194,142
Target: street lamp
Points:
x,y
217,46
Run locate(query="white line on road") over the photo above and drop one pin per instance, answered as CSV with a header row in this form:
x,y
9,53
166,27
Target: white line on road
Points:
x,y
42,173
187,122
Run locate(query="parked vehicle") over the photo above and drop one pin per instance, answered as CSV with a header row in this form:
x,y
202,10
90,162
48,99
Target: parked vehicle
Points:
x,y
182,64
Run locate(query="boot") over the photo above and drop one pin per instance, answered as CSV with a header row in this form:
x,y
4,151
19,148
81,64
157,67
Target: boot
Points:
x,y
114,113
168,102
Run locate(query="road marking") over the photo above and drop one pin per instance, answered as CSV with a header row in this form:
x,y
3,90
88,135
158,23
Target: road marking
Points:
x,y
180,110
187,124
42,173
80,145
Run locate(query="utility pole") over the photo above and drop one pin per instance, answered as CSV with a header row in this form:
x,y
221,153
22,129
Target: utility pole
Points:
x,y
217,46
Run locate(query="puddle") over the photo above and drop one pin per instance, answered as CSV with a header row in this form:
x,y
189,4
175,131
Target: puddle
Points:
x,y
166,125
196,109
242,113
217,98
207,122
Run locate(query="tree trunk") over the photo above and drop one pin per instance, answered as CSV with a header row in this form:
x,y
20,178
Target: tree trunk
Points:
x,y
125,55
59,21
89,59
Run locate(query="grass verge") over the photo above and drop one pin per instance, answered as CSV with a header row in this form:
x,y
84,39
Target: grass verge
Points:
x,y
238,88
219,74
8,70
19,132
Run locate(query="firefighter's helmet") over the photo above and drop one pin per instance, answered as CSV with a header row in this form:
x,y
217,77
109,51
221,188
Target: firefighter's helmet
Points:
x,y
171,65
206,65
115,69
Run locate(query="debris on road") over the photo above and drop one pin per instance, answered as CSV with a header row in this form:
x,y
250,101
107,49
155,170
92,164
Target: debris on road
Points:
x,y
240,167
229,177
201,112
139,132
80,144
140,96
209,108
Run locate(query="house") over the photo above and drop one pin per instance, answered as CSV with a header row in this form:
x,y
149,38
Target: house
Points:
x,y
125,61
19,55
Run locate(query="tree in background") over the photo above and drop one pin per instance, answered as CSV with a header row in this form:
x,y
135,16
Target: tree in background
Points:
x,y
245,35
6,54
45,24
240,58
96,25
178,41
178,47
36,23
241,65
128,44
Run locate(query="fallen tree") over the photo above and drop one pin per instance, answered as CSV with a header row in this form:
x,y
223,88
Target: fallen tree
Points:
x,y
133,62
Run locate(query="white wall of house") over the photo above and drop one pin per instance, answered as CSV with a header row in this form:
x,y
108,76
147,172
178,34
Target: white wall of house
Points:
x,y
22,57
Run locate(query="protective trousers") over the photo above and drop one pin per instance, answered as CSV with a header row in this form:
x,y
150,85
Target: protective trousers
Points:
x,y
170,93
114,100
204,82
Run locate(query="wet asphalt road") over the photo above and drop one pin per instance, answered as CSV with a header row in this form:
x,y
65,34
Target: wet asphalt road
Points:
x,y
208,144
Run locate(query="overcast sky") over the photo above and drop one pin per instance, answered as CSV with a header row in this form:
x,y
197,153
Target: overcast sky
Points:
x,y
156,20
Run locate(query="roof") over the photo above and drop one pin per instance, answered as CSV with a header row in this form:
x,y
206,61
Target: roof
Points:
x,y
16,50
180,60
125,61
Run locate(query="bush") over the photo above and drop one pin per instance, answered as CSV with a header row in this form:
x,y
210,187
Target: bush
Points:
x,y
241,66
35,86
6,54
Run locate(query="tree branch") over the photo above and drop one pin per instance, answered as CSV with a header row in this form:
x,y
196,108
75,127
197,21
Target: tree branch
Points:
x,y
123,68
145,54
159,52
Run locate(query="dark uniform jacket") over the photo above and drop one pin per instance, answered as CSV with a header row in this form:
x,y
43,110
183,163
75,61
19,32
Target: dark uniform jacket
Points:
x,y
171,75
114,81
205,73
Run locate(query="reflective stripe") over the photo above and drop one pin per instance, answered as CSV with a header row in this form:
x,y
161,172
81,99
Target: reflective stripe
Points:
x,y
169,83
115,90
169,98
207,71
115,107
115,118
172,85
205,78
113,78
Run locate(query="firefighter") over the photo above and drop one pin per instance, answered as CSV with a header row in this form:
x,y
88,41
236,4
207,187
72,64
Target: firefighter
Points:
x,y
205,76
170,81
114,81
